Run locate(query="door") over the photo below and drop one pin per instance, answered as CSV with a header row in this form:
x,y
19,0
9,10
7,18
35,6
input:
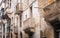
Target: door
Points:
x,y
58,34
56,25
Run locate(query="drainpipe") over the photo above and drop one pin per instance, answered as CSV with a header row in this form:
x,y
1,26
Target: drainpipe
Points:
x,y
2,30
21,11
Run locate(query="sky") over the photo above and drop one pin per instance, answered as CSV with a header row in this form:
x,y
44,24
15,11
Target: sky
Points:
x,y
14,2
0,1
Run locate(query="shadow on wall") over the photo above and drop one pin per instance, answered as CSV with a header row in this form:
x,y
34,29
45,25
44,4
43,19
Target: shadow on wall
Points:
x,y
30,33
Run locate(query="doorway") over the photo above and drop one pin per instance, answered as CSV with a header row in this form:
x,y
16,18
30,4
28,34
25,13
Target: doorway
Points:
x,y
56,25
21,34
16,35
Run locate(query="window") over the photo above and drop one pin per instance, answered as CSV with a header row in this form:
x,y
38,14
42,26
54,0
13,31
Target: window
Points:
x,y
31,10
26,16
8,25
9,3
0,26
0,15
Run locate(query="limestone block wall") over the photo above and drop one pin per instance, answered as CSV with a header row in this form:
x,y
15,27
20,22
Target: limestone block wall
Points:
x,y
47,29
31,1
37,32
51,10
58,5
25,4
38,15
44,3
26,14
35,13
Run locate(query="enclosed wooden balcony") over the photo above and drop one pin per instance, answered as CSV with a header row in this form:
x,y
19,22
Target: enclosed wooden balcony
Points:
x,y
51,12
19,8
30,22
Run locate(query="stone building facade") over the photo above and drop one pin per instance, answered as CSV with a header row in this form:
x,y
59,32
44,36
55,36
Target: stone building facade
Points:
x,y
5,21
32,18
36,18
12,27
